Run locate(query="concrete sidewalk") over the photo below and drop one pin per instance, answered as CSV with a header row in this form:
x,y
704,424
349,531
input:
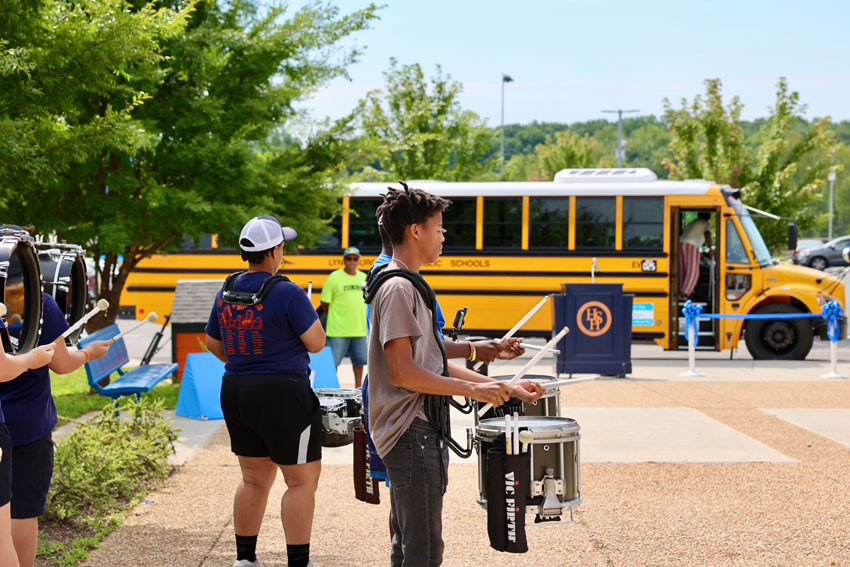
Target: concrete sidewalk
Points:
x,y
748,465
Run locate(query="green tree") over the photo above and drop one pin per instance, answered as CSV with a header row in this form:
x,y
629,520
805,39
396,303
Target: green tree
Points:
x,y
708,142
218,93
565,149
416,129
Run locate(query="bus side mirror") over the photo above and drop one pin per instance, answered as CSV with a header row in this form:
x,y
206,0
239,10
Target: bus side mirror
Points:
x,y
792,236
846,254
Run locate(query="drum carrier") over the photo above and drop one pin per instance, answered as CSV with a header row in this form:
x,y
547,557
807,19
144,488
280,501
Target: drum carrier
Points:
x,y
436,407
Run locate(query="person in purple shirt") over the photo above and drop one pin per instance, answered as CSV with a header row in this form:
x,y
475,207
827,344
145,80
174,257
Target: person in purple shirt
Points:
x,y
30,418
10,368
263,329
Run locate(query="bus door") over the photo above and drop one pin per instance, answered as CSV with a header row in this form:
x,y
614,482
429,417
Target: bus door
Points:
x,y
695,276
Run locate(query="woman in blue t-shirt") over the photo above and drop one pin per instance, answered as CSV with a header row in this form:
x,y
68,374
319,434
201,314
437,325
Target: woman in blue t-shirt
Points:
x,y
10,368
263,330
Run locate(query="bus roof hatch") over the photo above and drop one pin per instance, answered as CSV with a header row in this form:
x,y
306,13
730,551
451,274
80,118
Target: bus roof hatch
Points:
x,y
605,175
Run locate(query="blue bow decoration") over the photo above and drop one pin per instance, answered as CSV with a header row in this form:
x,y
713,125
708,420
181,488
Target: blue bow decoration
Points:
x,y
691,311
831,311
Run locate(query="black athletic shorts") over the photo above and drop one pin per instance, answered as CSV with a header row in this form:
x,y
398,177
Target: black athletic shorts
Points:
x,y
5,465
32,468
272,415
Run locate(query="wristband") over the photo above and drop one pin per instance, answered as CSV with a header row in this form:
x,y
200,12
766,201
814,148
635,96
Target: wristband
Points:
x,y
85,352
472,353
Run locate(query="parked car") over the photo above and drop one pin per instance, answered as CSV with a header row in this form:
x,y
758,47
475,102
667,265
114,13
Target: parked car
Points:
x,y
823,256
803,244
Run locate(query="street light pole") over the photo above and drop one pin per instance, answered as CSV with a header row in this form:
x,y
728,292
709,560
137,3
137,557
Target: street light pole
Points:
x,y
831,178
505,79
620,152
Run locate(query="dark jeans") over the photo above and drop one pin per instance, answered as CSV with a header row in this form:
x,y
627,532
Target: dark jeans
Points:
x,y
417,484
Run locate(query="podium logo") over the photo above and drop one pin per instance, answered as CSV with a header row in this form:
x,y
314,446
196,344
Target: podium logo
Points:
x,y
594,318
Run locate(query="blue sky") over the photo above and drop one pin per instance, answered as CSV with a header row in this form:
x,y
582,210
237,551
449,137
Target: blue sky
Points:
x,y
570,59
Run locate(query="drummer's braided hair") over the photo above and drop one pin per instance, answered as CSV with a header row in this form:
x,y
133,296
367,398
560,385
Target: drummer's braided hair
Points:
x,y
404,207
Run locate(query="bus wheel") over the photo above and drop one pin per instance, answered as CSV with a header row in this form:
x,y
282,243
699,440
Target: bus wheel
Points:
x,y
779,339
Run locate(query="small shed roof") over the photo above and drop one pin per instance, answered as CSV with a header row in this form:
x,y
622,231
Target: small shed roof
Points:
x,y
193,300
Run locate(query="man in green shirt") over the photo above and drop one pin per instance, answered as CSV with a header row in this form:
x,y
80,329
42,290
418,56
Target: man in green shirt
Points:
x,y
342,300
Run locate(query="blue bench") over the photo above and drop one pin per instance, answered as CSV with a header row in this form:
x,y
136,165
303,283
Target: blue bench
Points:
x,y
135,381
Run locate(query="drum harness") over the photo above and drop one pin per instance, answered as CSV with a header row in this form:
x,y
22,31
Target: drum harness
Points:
x,y
229,295
436,407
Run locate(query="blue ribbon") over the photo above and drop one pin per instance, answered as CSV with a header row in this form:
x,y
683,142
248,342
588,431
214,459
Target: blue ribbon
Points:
x,y
831,311
692,312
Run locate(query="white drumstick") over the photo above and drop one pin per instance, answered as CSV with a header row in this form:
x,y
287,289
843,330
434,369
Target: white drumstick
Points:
x,y
310,289
529,365
519,325
102,305
526,437
559,383
2,309
516,433
537,347
151,318
507,434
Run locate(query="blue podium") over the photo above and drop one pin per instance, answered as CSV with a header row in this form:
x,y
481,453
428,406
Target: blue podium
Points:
x,y
599,316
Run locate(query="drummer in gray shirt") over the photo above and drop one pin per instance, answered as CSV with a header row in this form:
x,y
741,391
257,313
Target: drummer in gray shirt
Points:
x,y
405,363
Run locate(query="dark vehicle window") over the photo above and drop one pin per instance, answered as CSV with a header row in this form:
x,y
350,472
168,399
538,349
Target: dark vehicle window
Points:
x,y
362,224
595,222
502,222
548,222
333,240
735,253
459,223
643,223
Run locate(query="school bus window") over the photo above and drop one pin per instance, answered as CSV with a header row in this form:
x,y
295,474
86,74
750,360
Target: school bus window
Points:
x,y
332,240
643,223
362,224
204,242
595,222
459,222
502,222
548,222
735,252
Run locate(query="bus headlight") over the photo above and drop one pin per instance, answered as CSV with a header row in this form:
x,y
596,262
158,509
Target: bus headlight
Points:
x,y
737,285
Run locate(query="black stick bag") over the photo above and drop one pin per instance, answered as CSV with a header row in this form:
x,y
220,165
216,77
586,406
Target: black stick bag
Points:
x,y
507,490
366,488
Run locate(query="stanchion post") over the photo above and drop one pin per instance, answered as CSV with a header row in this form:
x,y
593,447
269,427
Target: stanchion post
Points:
x,y
691,312
831,312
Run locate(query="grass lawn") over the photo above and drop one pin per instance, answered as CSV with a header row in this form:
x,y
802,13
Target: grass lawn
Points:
x,y
72,397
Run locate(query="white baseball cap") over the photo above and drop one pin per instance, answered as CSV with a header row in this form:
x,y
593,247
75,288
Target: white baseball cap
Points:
x,y
262,233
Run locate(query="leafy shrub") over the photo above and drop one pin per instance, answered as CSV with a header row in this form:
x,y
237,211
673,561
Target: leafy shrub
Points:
x,y
107,461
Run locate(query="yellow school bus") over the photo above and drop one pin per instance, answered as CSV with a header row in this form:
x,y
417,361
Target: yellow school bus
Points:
x,y
510,243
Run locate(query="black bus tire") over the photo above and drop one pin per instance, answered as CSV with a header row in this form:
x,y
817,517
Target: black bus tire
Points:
x,y
779,339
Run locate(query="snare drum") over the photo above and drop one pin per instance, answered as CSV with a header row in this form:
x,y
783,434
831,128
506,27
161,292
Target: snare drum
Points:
x,y
555,475
549,404
20,290
340,414
63,272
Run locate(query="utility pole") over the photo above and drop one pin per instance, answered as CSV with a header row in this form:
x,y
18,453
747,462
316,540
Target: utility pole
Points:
x,y
505,79
620,152
831,177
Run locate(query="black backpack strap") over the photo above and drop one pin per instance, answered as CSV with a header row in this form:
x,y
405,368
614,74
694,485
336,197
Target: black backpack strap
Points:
x,y
229,295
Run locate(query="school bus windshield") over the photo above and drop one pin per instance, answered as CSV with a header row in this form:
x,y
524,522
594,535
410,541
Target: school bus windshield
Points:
x,y
759,248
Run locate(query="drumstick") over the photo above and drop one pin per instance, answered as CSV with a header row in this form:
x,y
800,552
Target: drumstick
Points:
x,y
559,383
519,324
537,347
526,437
151,318
102,305
534,360
507,434
310,288
516,433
